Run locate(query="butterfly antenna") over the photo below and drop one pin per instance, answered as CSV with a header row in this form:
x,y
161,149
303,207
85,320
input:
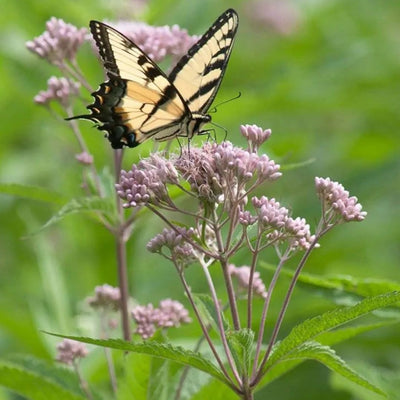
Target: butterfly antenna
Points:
x,y
220,127
214,109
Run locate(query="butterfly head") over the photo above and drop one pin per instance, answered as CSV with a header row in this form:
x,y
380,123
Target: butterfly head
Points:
x,y
196,122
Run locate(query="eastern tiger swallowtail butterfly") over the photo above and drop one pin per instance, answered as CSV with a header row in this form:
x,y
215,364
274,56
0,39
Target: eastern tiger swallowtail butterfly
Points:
x,y
139,101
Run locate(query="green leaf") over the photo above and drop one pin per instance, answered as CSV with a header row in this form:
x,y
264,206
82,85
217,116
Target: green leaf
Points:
x,y
81,205
341,286
288,167
340,335
241,345
34,385
207,309
313,327
327,338
328,357
133,385
59,374
163,379
215,390
32,193
160,350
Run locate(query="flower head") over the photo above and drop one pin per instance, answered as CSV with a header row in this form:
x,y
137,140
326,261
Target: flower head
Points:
x,y
298,233
255,136
145,318
58,89
176,242
146,182
242,274
59,42
106,297
69,350
219,172
337,200
246,219
270,213
170,313
84,158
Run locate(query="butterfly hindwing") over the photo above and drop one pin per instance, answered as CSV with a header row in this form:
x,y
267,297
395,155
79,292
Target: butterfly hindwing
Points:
x,y
149,105
139,101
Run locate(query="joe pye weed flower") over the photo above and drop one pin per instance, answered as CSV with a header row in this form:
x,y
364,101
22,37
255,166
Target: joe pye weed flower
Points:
x,y
224,208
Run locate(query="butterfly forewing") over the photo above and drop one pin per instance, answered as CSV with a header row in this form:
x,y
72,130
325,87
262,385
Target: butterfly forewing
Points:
x,y
198,75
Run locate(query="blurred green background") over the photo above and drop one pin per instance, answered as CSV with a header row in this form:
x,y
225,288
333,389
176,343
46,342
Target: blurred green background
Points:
x,y
324,75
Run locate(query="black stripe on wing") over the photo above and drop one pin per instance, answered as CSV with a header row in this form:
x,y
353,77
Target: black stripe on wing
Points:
x,y
199,73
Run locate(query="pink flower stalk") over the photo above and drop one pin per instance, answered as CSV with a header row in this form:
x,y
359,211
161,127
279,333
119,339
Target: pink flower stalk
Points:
x,y
106,297
242,274
69,350
58,89
59,42
337,201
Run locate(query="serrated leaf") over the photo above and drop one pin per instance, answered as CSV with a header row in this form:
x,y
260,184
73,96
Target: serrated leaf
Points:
x,y
328,357
311,328
32,193
328,338
339,335
83,205
58,374
241,345
34,386
207,309
160,350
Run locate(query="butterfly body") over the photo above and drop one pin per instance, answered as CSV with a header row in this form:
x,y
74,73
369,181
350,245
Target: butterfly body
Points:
x,y
139,101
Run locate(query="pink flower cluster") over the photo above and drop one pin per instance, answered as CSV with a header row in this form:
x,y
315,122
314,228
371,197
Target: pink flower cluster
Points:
x,y
170,313
279,226
58,89
59,42
69,350
146,182
242,274
175,241
106,297
215,172
338,200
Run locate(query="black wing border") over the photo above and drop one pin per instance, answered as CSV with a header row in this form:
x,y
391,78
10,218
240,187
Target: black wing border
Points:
x,y
230,13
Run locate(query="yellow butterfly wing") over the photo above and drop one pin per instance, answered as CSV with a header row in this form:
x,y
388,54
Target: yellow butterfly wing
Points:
x,y
198,75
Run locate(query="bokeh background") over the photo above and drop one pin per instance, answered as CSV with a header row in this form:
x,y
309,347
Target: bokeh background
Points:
x,y
324,75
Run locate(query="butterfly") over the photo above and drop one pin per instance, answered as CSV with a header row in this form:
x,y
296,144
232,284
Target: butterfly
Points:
x,y
139,101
